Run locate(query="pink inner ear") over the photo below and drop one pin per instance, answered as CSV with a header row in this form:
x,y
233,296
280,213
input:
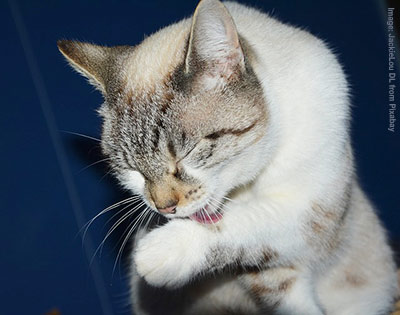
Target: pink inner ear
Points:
x,y
223,54
230,65
222,70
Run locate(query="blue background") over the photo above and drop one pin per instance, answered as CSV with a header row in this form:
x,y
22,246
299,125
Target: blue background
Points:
x,y
45,195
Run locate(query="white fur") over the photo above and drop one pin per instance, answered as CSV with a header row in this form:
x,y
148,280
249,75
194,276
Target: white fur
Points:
x,y
301,159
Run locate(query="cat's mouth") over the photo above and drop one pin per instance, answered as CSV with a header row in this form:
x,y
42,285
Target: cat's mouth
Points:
x,y
205,216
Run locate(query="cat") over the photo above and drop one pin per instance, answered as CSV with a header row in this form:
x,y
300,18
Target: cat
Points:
x,y
235,128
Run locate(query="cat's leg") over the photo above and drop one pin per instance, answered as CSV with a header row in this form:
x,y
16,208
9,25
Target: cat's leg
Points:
x,y
299,299
351,292
363,279
347,290
287,291
149,300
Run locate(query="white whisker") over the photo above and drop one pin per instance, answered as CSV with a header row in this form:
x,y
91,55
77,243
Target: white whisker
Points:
x,y
209,217
115,225
97,162
142,216
81,135
119,211
115,205
109,171
124,217
217,205
229,199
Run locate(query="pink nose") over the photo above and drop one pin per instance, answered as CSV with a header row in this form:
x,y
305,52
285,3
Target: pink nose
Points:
x,y
168,210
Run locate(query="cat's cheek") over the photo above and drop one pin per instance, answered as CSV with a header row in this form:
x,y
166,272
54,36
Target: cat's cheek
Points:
x,y
133,181
173,254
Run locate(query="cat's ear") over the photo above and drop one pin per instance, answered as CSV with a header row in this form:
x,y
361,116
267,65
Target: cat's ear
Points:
x,y
214,42
88,59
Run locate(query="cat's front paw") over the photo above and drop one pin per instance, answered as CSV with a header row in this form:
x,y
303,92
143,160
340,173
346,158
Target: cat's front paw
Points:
x,y
172,254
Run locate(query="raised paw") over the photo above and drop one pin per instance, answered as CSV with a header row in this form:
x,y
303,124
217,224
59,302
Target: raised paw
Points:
x,y
172,254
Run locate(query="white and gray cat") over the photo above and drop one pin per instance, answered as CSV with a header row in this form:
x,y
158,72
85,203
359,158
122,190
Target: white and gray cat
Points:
x,y
235,127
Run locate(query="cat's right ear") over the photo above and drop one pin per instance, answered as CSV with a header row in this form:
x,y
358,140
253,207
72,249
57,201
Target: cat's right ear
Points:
x,y
88,59
214,47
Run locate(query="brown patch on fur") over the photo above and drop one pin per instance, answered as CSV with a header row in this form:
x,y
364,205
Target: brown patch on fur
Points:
x,y
129,97
324,227
269,255
330,215
355,280
285,285
324,213
258,291
316,227
272,294
396,310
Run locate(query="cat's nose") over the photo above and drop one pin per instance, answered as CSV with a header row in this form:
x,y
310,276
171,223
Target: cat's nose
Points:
x,y
169,208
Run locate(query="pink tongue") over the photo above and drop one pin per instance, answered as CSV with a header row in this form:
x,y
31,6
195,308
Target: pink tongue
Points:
x,y
206,218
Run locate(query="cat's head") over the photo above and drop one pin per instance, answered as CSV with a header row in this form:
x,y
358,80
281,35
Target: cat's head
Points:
x,y
184,115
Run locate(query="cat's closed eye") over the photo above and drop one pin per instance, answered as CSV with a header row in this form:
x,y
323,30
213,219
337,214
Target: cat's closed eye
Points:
x,y
229,131
214,135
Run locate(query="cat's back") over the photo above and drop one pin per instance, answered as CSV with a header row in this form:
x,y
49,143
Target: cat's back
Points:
x,y
272,38
285,53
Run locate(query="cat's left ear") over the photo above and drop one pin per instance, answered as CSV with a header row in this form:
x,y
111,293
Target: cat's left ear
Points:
x,y
214,44
92,61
